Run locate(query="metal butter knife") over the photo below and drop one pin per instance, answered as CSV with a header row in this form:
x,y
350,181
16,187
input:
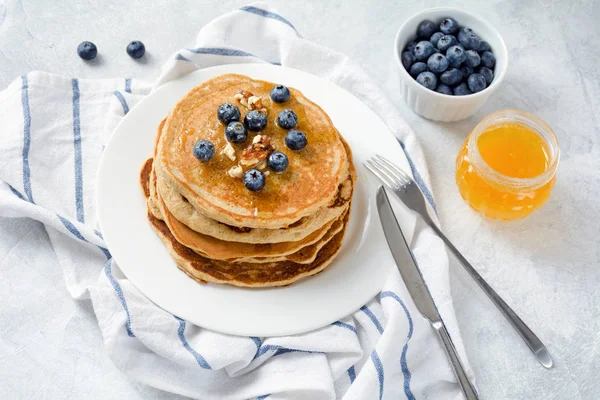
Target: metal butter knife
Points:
x,y
417,288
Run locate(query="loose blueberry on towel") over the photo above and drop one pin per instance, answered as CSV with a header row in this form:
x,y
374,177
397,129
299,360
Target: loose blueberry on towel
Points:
x,y
435,38
236,132
426,29
277,161
423,50
473,59
444,89
136,49
417,68
446,42
461,90
287,119
487,74
204,150
455,55
296,140
476,82
280,94
488,59
437,63
227,113
255,121
427,79
469,39
87,50
451,77
408,59
254,180
449,26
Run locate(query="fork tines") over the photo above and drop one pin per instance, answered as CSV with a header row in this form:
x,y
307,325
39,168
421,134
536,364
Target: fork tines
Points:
x,y
387,172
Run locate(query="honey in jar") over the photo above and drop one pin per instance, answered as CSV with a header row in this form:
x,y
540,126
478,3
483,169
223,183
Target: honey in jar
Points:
x,y
507,167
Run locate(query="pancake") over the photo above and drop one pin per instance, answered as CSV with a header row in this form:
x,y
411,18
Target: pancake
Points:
x,y
267,274
308,185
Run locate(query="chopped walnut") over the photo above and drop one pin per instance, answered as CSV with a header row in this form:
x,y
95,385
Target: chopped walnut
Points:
x,y
266,173
229,151
255,153
262,165
251,102
236,172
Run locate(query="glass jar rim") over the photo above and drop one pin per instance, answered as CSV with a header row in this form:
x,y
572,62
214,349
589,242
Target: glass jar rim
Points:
x,y
533,122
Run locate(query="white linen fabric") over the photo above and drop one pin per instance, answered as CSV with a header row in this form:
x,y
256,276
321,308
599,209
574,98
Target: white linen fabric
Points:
x,y
53,132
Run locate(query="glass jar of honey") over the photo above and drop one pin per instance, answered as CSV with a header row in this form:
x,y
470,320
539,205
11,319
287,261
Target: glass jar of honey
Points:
x,y
507,167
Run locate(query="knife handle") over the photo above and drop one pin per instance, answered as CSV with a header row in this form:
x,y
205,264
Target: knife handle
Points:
x,y
533,342
468,389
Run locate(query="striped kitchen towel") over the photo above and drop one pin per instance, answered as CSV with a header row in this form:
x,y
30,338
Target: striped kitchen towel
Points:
x,y
53,132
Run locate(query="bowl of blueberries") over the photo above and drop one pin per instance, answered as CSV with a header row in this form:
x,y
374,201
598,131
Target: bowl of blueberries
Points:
x,y
450,62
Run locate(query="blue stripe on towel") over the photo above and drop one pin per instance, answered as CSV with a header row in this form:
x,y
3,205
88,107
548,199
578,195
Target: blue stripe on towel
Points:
x,y
269,14
418,179
128,85
119,291
221,51
263,397
351,374
379,367
16,192
373,318
256,341
77,145
26,137
122,100
345,325
179,57
403,364
180,332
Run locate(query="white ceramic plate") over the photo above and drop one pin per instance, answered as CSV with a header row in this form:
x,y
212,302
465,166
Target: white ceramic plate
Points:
x,y
356,275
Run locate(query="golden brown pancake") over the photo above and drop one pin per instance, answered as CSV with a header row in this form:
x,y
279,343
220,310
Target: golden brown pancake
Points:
x,y
308,184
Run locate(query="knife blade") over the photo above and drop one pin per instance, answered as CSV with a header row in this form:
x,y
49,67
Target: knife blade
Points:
x,y
404,259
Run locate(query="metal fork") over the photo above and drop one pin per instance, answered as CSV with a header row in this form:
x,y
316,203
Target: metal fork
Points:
x,y
408,192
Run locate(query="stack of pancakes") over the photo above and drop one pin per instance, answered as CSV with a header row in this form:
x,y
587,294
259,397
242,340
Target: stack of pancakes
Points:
x,y
219,231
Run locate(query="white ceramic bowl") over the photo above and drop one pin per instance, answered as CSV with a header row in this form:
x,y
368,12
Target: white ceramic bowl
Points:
x,y
437,106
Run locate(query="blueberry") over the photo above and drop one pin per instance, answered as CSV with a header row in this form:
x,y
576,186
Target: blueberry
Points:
x,y
204,150
451,77
469,39
484,46
408,59
417,68
435,37
437,63
423,50
410,46
227,113
280,94
455,55
449,26
87,50
488,60
476,82
426,29
136,49
236,132
444,89
445,42
254,180
472,59
487,74
427,79
255,121
296,140
287,119
277,161
465,71
461,90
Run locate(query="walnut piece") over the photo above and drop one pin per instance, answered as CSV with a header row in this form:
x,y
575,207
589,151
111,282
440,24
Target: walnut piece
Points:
x,y
251,102
229,151
255,153
236,172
